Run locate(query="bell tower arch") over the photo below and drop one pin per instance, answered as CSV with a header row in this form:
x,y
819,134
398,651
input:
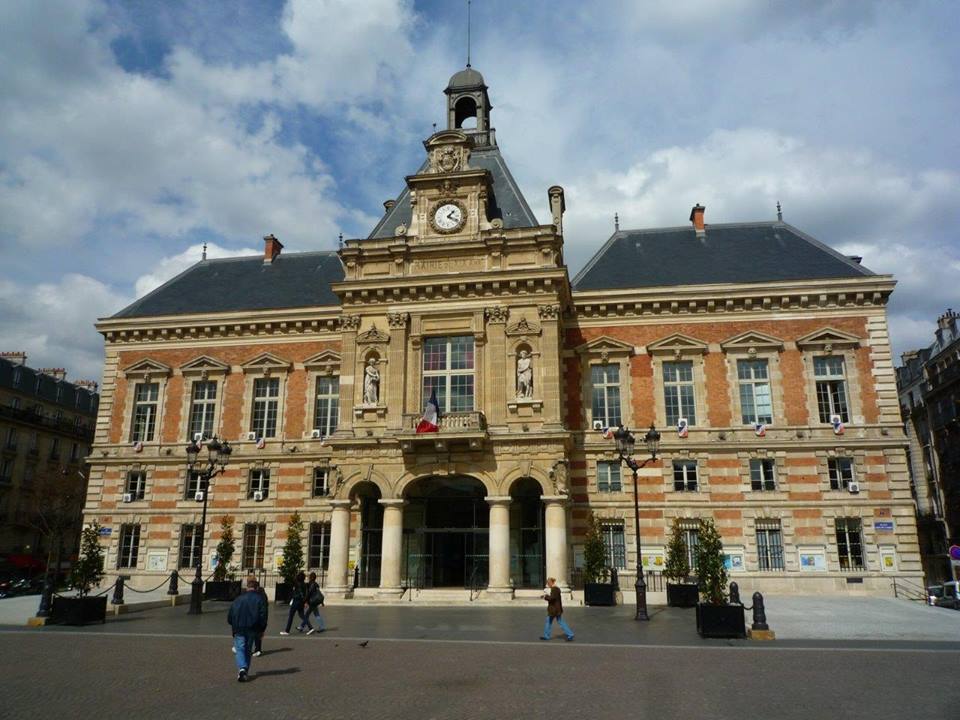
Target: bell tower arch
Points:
x,y
468,106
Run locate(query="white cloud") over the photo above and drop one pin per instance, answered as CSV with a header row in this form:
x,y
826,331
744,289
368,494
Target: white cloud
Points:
x,y
172,266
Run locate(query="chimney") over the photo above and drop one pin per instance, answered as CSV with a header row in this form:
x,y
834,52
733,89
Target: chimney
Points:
x,y
16,357
57,373
388,204
947,320
696,217
271,248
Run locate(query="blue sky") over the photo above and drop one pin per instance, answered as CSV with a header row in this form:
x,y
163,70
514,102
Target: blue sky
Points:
x,y
132,132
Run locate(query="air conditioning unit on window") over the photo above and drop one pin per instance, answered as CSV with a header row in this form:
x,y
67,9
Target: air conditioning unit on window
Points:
x,y
598,425
251,436
128,497
258,496
853,487
315,433
198,496
198,437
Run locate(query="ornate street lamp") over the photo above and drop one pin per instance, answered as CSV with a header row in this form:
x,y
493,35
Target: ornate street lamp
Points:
x,y
218,455
626,444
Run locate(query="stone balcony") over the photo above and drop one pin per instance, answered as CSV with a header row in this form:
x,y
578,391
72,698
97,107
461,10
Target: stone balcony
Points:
x,y
468,428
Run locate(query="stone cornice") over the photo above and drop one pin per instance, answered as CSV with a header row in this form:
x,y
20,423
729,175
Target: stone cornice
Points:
x,y
800,295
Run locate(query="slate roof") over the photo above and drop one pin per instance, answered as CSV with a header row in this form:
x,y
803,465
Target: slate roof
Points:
x,y
29,381
507,202
728,253
245,283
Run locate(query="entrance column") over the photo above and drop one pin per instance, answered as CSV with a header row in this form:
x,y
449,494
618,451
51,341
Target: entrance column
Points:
x,y
556,537
339,547
499,582
391,553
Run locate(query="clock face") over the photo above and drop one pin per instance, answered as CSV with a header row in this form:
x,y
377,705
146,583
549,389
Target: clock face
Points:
x,y
448,217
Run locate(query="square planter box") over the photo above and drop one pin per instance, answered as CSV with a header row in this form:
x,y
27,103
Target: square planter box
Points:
x,y
78,611
224,590
721,621
599,594
283,592
685,595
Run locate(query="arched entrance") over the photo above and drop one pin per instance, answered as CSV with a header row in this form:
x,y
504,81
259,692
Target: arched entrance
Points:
x,y
369,513
527,559
446,525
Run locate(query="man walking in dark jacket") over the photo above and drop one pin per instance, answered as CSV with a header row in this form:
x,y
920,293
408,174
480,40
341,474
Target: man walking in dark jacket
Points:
x,y
554,611
247,618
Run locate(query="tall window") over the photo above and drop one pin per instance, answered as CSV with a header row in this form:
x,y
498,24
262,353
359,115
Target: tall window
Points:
x,y
685,475
448,367
608,477
321,481
195,483
327,406
755,403
614,542
841,473
763,475
254,542
266,398
678,392
202,408
605,383
831,387
145,396
850,544
55,449
136,484
691,539
769,545
259,482
12,439
189,546
129,546
6,470
318,553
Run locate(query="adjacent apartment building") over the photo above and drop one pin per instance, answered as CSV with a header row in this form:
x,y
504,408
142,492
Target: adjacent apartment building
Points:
x,y
760,353
929,386
46,427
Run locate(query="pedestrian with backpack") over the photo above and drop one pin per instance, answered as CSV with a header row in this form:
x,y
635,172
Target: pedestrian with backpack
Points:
x,y
314,601
297,603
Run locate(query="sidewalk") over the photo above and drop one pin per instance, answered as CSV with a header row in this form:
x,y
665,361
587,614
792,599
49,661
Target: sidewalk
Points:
x,y
17,610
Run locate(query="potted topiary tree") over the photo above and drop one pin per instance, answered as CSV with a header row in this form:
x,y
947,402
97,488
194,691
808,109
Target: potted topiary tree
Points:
x,y
716,618
596,589
87,574
292,561
681,592
224,585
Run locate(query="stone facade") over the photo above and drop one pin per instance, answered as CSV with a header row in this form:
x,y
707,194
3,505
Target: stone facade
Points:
x,y
463,298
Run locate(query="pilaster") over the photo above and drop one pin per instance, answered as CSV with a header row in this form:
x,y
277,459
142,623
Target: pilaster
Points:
x,y
550,357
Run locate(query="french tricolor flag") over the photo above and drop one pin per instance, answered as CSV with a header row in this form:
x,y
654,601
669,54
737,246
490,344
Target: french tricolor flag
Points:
x,y
430,422
760,429
682,428
607,433
837,423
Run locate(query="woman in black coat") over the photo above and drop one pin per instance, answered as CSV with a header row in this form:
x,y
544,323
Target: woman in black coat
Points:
x,y
296,605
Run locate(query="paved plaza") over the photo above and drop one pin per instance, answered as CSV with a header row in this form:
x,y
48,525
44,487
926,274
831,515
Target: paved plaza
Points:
x,y
477,662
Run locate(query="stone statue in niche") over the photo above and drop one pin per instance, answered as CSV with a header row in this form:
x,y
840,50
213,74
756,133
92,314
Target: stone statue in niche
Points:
x,y
524,375
371,383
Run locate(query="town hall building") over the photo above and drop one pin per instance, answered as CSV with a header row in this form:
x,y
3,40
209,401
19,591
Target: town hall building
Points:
x,y
759,353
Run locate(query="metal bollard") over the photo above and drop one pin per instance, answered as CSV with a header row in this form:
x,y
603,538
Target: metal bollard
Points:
x,y
759,615
614,578
735,594
118,590
174,581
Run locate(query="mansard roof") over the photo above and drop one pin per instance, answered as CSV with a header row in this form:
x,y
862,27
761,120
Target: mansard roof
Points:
x,y
726,253
507,202
245,283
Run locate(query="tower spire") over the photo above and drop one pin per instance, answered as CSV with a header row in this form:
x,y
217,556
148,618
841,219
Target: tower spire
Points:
x,y
468,33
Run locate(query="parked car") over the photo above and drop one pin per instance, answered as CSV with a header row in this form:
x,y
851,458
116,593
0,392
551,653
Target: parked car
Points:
x,y
949,595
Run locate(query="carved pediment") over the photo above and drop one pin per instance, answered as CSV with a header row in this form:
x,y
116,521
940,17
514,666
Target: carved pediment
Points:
x,y
373,335
523,327
266,363
605,347
325,360
676,345
147,368
828,339
448,151
752,342
204,366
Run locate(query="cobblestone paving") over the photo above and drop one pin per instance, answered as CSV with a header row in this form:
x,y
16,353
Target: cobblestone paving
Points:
x,y
464,663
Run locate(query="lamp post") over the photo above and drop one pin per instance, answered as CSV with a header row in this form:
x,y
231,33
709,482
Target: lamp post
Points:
x,y
625,448
216,462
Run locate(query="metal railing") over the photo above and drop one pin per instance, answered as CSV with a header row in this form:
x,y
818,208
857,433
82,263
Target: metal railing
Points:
x,y
653,578
450,422
908,590
64,427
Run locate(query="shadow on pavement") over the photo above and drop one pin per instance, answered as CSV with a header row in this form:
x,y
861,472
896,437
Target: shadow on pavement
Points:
x,y
257,674
265,653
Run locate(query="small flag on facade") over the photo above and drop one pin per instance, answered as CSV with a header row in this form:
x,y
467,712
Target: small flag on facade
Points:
x,y
431,415
682,428
837,423
261,443
607,433
760,429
